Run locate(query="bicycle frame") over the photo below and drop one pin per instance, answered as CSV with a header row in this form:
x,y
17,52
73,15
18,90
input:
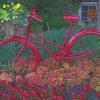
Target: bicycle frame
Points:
x,y
61,47
65,47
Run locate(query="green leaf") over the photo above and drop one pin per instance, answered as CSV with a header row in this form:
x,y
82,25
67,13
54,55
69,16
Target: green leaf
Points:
x,y
97,88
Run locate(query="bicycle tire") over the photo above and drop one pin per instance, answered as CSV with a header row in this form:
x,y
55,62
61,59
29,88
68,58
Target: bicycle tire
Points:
x,y
83,36
14,45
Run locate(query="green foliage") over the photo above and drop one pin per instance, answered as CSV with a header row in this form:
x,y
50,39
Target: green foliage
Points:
x,y
37,27
51,11
97,88
57,7
3,15
57,22
53,23
16,14
52,7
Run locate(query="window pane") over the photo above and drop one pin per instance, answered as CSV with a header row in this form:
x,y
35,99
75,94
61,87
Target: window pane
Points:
x,y
84,18
84,8
93,19
84,14
92,7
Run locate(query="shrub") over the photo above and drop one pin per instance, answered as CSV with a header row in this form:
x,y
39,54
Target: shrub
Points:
x,y
57,22
16,14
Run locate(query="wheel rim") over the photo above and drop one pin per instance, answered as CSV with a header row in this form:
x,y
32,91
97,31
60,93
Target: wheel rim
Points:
x,y
87,44
8,53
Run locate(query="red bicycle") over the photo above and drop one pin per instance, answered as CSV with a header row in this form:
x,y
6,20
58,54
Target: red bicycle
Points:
x,y
25,48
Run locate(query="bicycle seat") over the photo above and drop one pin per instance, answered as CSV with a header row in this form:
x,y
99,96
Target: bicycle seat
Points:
x,y
74,19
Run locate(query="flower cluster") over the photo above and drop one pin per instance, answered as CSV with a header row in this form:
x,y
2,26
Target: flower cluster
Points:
x,y
93,70
6,77
75,76
86,65
16,14
55,76
28,91
35,78
50,82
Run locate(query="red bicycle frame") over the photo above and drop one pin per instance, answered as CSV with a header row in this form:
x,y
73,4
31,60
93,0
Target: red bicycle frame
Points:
x,y
61,47
65,46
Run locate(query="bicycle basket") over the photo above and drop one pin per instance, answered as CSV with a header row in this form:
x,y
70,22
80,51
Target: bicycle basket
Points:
x,y
8,29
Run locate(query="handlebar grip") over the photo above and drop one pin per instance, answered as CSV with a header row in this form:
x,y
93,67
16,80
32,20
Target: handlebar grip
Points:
x,y
36,17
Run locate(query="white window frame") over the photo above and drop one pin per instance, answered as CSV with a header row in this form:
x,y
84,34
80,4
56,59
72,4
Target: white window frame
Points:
x,y
86,4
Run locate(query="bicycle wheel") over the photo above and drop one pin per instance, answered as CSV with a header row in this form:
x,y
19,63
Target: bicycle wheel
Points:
x,y
85,44
17,50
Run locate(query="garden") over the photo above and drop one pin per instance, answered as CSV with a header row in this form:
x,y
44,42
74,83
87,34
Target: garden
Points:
x,y
51,80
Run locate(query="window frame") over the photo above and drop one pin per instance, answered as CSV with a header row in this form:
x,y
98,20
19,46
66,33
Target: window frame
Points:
x,y
86,4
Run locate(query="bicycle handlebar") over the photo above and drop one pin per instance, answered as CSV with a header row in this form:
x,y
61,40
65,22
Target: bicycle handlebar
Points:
x,y
36,17
33,15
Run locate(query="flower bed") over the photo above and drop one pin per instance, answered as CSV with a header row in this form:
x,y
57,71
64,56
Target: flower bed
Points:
x,y
52,82
28,91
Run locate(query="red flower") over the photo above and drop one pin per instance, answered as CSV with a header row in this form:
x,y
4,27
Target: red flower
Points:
x,y
28,91
20,89
34,94
10,97
98,94
74,95
59,98
52,98
82,96
44,90
1,93
44,96
13,89
38,93
24,98
7,85
2,83
33,11
19,79
87,88
62,88
25,95
54,92
30,85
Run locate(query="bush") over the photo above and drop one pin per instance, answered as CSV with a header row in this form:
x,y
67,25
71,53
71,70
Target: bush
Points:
x,y
50,24
15,14
57,22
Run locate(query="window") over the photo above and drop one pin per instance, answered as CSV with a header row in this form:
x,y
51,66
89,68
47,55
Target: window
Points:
x,y
84,11
84,8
